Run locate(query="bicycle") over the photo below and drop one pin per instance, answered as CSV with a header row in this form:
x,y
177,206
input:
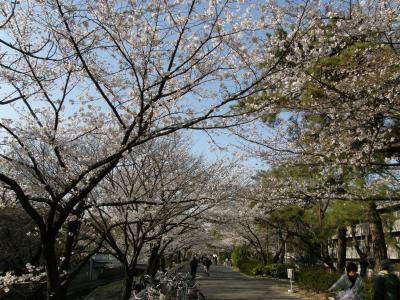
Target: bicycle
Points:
x,y
149,293
169,287
193,291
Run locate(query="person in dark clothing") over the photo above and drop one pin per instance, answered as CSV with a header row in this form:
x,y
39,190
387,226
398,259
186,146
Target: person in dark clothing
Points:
x,y
193,267
386,284
207,263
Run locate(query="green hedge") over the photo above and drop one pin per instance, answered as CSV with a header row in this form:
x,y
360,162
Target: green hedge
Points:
x,y
247,266
258,270
272,270
319,281
241,254
316,280
243,258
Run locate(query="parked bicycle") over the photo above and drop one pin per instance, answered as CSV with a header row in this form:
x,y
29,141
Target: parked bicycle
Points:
x,y
168,286
193,291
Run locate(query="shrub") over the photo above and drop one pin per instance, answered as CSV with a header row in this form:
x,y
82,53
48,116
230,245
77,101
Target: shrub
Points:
x,y
258,270
368,289
278,270
272,270
240,254
316,279
247,266
243,258
235,256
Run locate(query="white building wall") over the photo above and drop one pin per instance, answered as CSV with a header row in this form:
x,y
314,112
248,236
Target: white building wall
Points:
x,y
362,231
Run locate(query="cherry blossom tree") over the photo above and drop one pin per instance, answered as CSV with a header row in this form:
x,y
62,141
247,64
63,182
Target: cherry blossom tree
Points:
x,y
337,111
156,193
85,82
338,107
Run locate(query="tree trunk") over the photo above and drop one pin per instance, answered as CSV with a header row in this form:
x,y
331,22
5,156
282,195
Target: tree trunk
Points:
x,y
341,250
263,257
261,253
277,255
128,283
130,268
282,255
153,264
363,265
54,289
325,257
377,236
162,263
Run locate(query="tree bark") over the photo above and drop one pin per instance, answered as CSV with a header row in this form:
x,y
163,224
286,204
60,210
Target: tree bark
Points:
x,y
341,249
54,289
325,256
128,283
263,257
377,235
153,264
278,255
282,255
130,268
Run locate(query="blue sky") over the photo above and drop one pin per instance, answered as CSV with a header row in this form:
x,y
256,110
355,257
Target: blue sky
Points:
x,y
222,142
214,145
221,145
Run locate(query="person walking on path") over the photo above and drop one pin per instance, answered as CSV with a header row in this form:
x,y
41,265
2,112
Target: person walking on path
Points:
x,y
350,285
226,262
215,259
207,263
386,284
193,267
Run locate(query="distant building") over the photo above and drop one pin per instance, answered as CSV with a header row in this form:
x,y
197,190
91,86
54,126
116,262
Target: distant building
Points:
x,y
96,266
363,237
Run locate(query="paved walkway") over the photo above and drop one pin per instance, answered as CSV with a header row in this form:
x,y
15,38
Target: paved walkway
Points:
x,y
224,284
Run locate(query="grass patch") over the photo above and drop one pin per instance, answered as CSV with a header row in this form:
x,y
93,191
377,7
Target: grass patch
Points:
x,y
106,292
